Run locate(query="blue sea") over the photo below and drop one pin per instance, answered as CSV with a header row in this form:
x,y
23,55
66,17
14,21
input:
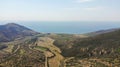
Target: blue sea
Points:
x,y
69,27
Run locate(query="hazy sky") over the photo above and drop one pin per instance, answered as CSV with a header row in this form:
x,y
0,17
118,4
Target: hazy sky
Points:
x,y
60,10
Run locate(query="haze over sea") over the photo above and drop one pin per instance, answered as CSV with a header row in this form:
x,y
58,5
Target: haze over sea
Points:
x,y
68,27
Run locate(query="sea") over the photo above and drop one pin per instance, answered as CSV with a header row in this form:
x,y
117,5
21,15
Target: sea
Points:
x,y
68,27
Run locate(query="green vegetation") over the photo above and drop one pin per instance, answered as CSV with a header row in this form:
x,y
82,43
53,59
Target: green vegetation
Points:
x,y
22,56
41,48
60,50
101,46
22,52
100,65
118,50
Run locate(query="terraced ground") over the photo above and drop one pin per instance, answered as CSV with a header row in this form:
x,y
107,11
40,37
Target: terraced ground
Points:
x,y
31,52
52,53
23,56
55,51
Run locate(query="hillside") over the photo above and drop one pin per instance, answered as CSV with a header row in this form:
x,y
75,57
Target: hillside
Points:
x,y
102,49
22,47
12,31
101,32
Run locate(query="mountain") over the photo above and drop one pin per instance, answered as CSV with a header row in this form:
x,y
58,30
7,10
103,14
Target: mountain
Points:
x,y
101,32
102,50
12,31
105,41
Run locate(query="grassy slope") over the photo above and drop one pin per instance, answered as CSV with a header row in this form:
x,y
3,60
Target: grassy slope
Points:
x,y
104,47
109,42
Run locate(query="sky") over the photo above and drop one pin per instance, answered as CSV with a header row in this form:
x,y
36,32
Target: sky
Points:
x,y
59,10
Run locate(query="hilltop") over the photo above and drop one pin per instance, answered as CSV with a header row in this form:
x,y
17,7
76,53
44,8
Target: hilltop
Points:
x,y
12,31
